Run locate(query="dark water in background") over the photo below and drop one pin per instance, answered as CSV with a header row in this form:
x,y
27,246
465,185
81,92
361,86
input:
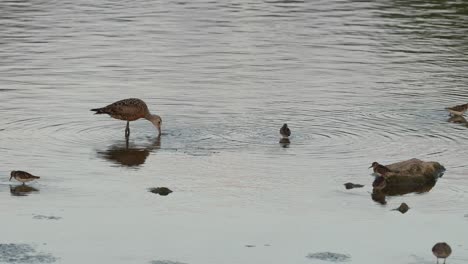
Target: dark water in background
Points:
x,y
357,81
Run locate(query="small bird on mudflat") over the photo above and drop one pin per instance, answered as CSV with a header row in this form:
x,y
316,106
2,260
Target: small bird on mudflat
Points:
x,y
284,131
130,110
380,169
457,110
23,176
441,250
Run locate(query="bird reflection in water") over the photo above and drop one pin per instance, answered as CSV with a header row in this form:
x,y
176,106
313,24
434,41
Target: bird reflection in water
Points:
x,y
22,190
458,120
130,156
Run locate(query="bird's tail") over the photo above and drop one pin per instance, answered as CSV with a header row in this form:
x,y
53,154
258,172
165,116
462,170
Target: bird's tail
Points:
x,y
36,177
98,111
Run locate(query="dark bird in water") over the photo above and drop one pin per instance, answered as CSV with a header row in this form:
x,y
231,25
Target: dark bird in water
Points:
x,y
403,208
350,185
130,110
380,169
284,131
22,176
441,250
457,110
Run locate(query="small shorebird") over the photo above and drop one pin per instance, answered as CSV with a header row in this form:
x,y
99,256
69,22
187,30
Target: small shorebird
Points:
x,y
380,169
441,250
284,131
457,110
130,110
23,176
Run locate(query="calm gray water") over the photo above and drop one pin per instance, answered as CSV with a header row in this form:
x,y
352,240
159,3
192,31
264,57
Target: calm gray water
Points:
x,y
357,81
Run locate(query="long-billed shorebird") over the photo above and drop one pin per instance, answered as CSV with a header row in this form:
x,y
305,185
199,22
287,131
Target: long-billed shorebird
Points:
x,y
130,110
441,250
457,110
23,176
284,131
380,169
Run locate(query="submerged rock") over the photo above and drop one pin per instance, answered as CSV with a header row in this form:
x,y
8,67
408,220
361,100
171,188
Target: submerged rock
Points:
x,y
350,185
23,253
330,256
403,208
160,190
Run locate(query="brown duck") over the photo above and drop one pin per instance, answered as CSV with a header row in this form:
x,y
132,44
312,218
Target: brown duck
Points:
x,y
22,176
441,250
130,110
380,169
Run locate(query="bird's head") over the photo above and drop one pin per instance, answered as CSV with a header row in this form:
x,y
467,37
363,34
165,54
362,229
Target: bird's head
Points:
x,y
156,121
12,174
374,164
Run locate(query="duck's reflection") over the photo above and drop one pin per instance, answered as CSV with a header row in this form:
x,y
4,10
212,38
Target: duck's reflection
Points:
x,y
392,187
22,190
126,155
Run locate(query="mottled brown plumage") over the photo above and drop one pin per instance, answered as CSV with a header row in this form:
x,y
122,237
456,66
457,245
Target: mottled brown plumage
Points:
x,y
22,176
457,110
441,250
380,169
130,110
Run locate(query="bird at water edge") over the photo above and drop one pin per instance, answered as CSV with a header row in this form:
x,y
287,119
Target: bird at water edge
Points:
x,y
441,250
457,110
22,176
285,131
380,169
130,109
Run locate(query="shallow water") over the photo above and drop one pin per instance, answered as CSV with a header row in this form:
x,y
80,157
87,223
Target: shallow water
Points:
x,y
356,81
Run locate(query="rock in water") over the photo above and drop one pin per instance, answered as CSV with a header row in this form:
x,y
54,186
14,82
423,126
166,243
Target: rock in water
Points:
x,y
403,208
416,168
160,190
350,185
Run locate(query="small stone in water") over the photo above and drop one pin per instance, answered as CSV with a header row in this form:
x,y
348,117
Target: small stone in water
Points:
x,y
160,190
350,185
329,256
403,208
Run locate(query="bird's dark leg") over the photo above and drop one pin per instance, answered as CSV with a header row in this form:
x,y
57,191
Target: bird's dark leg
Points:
x,y
127,130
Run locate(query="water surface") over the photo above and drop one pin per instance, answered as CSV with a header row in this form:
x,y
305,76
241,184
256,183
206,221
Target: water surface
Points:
x,y
356,81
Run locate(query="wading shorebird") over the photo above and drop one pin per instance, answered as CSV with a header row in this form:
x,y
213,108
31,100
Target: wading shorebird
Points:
x,y
457,110
380,169
23,176
284,131
441,250
130,110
